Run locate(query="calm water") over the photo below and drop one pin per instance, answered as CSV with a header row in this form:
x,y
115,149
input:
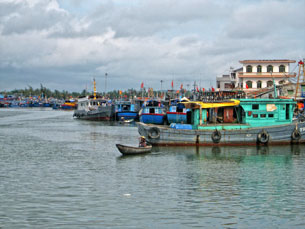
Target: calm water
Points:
x,y
56,172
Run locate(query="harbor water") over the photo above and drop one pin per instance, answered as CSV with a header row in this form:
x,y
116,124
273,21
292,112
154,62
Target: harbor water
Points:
x,y
57,172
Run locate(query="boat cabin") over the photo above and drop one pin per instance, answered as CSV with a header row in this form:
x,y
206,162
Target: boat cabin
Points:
x,y
243,113
123,106
153,112
89,103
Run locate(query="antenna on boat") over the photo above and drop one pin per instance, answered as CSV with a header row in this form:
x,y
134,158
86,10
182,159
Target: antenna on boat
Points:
x,y
274,86
106,74
94,89
301,65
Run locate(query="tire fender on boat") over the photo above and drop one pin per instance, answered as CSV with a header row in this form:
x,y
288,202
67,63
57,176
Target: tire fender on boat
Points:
x,y
263,137
154,132
296,135
216,136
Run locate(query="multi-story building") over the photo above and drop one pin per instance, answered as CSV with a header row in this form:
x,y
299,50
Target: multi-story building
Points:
x,y
259,74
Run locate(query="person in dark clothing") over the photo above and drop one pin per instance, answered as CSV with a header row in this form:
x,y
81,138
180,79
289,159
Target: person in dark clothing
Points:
x,y
142,142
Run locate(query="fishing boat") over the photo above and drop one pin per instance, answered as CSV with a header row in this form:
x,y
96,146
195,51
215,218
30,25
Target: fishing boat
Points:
x,y
153,112
233,122
131,150
94,108
177,112
126,110
70,104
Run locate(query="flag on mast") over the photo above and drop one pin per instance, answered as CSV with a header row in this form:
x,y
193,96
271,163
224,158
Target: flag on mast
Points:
x,y
142,85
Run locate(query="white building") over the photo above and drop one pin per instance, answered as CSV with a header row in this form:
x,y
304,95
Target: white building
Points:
x,y
257,74
229,81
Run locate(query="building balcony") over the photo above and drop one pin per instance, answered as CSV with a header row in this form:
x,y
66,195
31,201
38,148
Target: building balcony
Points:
x,y
265,75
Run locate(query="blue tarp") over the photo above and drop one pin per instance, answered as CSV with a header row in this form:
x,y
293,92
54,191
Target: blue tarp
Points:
x,y
181,126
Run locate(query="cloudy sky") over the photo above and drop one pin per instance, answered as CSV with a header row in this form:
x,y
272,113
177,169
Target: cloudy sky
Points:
x,y
64,44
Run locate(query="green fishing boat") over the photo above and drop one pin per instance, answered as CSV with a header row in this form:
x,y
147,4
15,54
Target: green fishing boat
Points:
x,y
233,122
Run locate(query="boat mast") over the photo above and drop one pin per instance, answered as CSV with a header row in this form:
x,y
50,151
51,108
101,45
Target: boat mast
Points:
x,y
301,65
94,89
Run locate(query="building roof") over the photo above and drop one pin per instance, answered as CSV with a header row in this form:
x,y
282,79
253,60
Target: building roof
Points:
x,y
265,61
265,76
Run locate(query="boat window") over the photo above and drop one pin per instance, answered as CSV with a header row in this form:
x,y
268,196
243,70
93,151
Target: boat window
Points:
x,y
263,115
180,109
287,111
151,110
270,115
255,116
255,106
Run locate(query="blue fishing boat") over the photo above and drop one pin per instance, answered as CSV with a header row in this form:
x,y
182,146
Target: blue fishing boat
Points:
x,y
177,112
126,110
153,111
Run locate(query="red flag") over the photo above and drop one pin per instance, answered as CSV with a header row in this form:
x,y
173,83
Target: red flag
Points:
x,y
203,89
142,85
181,86
247,86
197,89
213,89
172,84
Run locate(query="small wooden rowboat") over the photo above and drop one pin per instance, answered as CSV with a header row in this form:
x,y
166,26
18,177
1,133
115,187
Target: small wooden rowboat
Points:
x,y
131,150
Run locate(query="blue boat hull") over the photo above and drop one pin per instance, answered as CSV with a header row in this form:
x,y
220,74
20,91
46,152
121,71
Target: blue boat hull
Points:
x,y
152,118
126,115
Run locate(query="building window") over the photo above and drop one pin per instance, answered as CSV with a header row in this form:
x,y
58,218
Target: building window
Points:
x,y
259,84
228,86
290,92
282,68
259,68
282,82
249,84
249,68
269,68
218,84
269,83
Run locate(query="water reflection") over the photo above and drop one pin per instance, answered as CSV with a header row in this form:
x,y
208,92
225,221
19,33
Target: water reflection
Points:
x,y
231,153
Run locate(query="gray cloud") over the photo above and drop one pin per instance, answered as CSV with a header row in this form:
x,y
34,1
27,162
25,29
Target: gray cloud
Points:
x,y
137,41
